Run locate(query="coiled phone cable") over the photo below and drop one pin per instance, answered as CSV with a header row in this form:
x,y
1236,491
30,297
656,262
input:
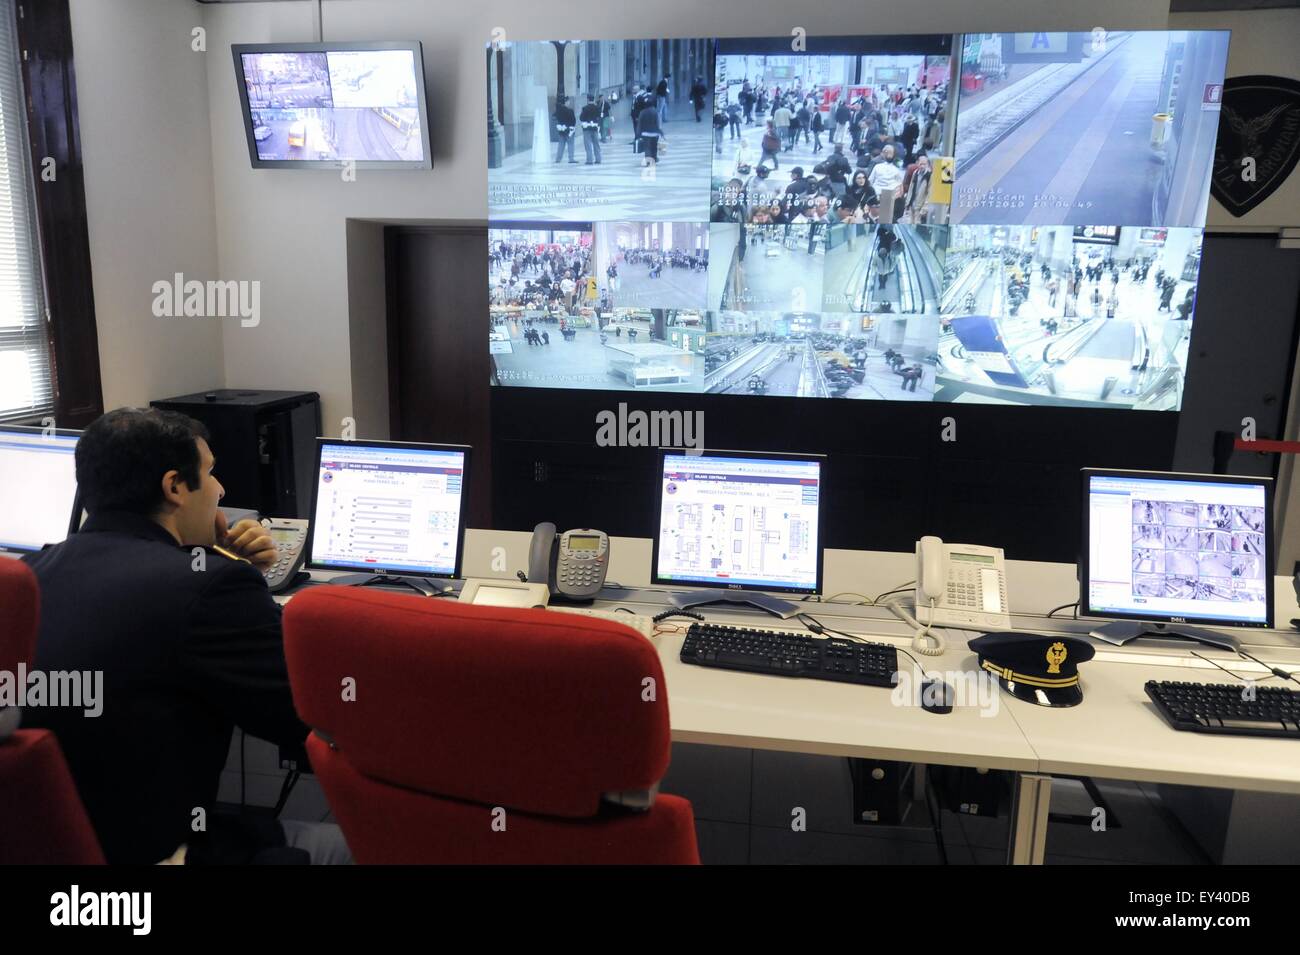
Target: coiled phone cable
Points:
x,y
924,641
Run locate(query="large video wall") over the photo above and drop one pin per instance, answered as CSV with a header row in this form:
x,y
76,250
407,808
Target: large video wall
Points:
x,y
992,218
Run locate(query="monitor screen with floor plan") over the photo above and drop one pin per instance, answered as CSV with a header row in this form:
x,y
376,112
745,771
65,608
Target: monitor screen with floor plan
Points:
x,y
739,520
388,506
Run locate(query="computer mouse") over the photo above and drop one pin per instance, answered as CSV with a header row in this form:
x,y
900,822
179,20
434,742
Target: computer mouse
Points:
x,y
936,696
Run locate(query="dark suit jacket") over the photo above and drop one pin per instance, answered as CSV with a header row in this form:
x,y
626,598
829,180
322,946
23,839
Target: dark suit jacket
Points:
x,y
186,654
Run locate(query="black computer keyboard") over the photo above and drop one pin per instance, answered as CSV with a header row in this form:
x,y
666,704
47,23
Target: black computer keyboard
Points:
x,y
789,654
1225,708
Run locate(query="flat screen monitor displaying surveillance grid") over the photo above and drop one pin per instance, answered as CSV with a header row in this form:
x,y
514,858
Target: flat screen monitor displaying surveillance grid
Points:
x,y
325,104
388,507
739,520
1177,548
38,485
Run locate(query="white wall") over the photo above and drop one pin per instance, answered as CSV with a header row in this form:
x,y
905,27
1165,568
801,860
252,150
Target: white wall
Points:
x,y
143,105
287,229
1263,41
368,326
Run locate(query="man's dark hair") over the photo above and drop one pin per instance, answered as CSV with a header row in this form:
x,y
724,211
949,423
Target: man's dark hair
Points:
x,y
123,455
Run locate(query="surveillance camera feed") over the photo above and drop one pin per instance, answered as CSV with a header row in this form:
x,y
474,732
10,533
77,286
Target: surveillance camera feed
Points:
x,y
990,218
588,129
335,105
1081,128
1092,315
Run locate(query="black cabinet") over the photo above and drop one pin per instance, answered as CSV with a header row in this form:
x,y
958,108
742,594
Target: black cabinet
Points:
x,y
264,443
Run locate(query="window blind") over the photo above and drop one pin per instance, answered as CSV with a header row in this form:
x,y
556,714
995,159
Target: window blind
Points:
x,y
26,385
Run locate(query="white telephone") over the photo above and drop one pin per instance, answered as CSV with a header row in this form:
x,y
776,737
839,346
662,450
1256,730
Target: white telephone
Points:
x,y
961,585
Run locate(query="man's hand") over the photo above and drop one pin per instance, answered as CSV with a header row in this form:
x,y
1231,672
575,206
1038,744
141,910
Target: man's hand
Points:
x,y
248,539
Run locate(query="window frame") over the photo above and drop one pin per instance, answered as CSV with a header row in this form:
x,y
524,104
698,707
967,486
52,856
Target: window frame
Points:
x,y
63,234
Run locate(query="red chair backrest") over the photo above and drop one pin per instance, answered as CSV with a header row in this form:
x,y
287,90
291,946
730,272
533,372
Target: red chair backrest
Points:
x,y
42,820
20,602
429,714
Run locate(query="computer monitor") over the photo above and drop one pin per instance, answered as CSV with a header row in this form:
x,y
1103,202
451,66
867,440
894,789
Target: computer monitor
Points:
x,y
38,487
1163,552
395,510
742,521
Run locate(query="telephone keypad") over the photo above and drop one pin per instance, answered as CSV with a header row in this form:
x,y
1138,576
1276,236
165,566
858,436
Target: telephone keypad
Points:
x,y
963,589
287,553
580,573
290,537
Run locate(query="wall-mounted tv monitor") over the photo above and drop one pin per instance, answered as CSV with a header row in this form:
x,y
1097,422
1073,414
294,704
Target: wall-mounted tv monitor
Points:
x,y
729,216
324,105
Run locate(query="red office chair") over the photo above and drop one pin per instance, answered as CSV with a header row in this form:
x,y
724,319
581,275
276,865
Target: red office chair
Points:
x,y
452,733
42,820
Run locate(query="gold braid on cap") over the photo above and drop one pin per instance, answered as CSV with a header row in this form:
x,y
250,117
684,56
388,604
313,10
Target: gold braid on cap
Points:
x,y
1006,673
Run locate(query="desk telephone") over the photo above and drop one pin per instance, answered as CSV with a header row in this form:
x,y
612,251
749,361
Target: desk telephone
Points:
x,y
961,585
573,564
290,537
568,567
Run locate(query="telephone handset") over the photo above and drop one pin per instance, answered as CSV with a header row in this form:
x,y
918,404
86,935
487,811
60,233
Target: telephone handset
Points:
x,y
290,537
573,564
961,585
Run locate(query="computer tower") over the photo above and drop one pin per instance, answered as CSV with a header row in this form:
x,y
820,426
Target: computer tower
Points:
x,y
970,791
264,443
881,791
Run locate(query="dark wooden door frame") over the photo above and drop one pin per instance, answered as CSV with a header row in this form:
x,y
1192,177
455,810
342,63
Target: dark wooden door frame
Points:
x,y
49,80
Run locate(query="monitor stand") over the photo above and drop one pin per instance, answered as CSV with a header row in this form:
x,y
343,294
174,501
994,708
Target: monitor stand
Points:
x,y
773,605
1121,632
418,584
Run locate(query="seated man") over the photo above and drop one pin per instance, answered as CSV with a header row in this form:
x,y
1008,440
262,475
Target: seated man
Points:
x,y
169,604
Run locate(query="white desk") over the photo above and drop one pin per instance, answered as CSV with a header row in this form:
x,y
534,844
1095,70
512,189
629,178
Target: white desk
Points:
x,y
1115,733
755,711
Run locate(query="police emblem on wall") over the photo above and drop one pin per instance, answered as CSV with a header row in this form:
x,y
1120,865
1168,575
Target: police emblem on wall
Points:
x,y
1259,140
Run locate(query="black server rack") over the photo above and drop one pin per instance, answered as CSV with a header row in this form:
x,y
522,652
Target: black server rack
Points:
x,y
264,443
